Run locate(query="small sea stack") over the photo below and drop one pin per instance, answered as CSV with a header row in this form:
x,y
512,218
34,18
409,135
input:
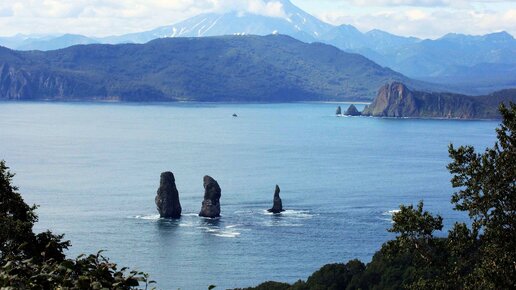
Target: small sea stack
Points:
x,y
211,203
277,206
339,111
353,111
167,198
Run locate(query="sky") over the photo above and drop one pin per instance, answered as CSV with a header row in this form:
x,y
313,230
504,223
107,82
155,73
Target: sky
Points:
x,y
420,18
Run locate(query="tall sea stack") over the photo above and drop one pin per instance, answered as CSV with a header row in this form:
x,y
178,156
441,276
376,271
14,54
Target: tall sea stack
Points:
x,y
167,199
211,203
277,206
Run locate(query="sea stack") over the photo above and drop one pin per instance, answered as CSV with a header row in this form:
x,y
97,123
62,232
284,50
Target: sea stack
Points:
x,y
339,111
353,111
167,199
211,203
277,206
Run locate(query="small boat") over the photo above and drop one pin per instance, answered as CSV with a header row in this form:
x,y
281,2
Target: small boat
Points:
x,y
235,115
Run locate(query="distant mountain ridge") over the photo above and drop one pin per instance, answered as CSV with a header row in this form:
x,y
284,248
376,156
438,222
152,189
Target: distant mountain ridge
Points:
x,y
273,68
398,101
449,59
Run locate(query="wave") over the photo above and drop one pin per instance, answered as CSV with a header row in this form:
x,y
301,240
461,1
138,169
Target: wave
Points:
x,y
244,212
391,212
190,214
153,217
233,225
227,232
287,218
291,213
186,225
388,215
282,224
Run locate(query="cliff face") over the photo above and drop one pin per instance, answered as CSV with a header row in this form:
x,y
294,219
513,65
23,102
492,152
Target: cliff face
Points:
x,y
22,84
13,84
396,100
393,100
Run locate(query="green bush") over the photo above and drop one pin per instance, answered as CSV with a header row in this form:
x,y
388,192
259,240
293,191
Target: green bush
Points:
x,y
481,255
37,261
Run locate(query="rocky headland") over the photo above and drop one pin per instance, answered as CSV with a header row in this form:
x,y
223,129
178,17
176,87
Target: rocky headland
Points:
x,y
397,100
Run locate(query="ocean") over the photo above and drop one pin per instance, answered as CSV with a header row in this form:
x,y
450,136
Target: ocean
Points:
x,y
94,169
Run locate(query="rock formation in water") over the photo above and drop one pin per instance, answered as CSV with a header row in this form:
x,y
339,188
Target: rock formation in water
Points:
x,y
277,206
211,203
393,100
352,111
167,199
396,100
339,111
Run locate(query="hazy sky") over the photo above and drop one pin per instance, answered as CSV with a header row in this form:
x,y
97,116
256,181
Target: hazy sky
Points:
x,y
422,18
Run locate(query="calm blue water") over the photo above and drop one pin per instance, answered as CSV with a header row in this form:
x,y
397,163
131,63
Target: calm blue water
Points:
x,y
94,170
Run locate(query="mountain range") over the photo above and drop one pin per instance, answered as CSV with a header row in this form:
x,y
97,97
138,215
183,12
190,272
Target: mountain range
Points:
x,y
274,68
476,64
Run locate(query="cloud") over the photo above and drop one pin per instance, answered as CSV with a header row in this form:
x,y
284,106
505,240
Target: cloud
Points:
x,y
260,7
420,3
108,17
6,12
273,8
423,18
430,23
423,3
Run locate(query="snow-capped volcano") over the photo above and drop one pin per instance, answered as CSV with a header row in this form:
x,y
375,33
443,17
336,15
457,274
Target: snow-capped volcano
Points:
x,y
285,18
484,62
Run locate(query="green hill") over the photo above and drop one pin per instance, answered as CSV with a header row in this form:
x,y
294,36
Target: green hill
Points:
x,y
273,68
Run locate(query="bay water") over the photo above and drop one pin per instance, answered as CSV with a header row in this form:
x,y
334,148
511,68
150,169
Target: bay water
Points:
x,y
94,169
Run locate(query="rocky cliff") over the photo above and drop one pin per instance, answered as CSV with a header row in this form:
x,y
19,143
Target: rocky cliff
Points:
x,y
397,100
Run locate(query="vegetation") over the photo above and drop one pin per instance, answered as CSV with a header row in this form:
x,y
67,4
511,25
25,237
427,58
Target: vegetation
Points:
x,y
272,68
478,255
37,261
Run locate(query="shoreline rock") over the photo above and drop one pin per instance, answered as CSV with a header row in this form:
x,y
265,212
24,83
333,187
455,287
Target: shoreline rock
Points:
x,y
353,111
167,198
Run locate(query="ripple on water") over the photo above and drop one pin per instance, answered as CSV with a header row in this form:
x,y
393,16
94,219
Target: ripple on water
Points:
x,y
232,225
